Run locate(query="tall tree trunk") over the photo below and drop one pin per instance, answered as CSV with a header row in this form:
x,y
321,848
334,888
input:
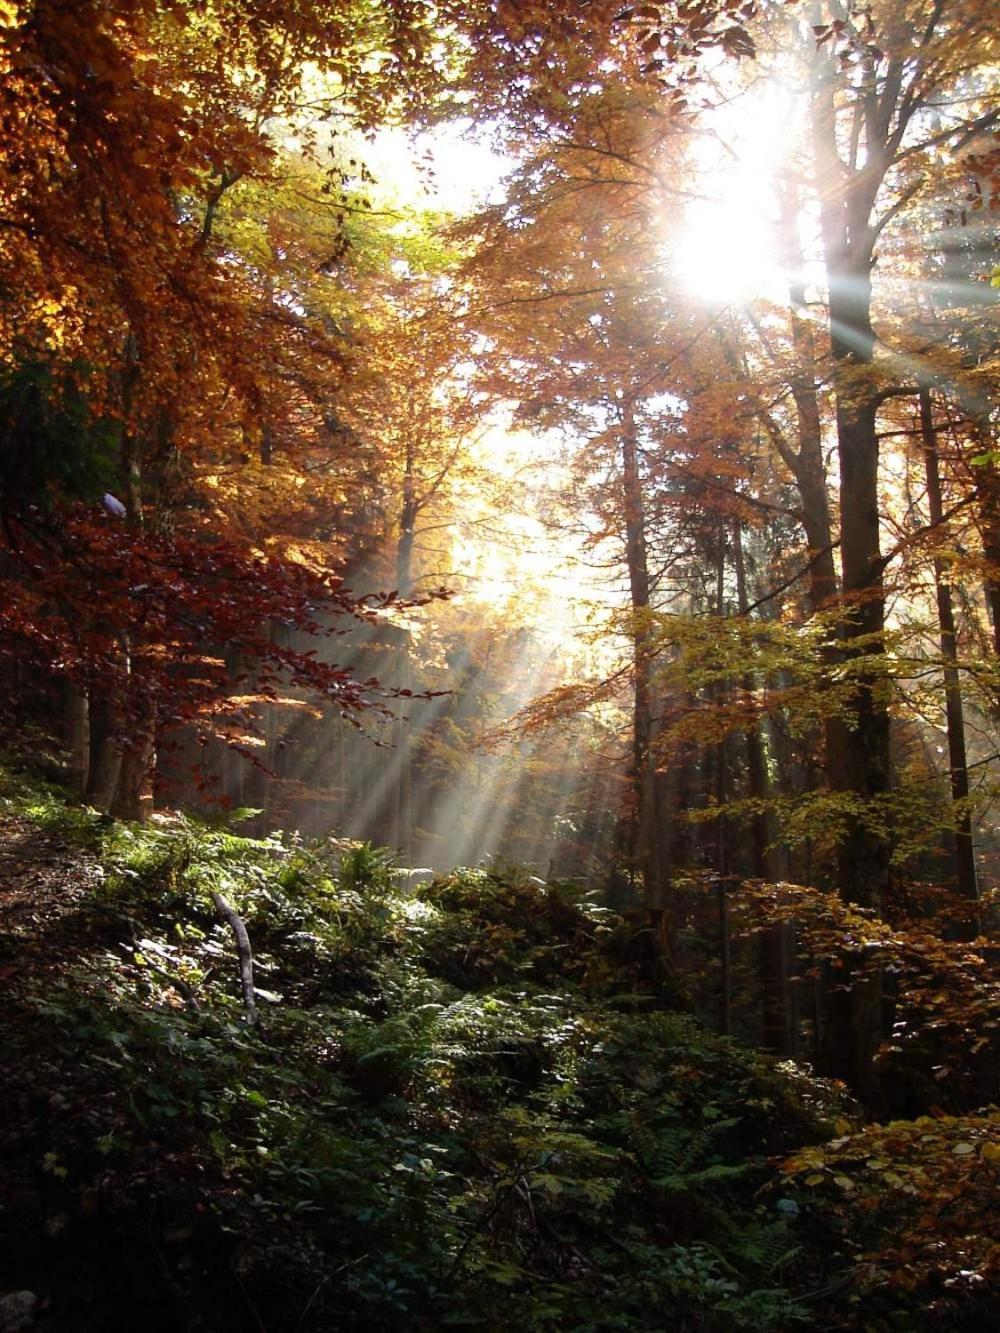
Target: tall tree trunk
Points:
x,y
721,793
644,836
847,195
105,751
965,857
267,444
757,780
987,488
77,736
402,739
846,202
130,444
863,767
133,797
773,940
806,463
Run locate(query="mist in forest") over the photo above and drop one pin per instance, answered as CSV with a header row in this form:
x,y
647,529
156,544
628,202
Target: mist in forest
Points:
x,y
436,777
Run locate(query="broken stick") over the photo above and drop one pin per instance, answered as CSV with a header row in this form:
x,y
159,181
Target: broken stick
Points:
x,y
239,930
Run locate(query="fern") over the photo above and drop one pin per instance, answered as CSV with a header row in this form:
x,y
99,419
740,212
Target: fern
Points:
x,y
766,1249
680,1158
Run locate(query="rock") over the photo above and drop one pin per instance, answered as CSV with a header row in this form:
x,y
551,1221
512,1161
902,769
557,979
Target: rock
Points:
x,y
409,881
17,1311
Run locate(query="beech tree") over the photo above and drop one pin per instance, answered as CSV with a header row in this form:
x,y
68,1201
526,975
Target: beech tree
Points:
x,y
125,132
230,386
876,76
575,333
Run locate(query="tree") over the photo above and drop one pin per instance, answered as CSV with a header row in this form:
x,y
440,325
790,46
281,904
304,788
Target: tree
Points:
x,y
127,129
875,76
574,318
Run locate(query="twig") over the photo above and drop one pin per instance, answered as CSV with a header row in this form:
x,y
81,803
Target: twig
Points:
x,y
182,988
239,930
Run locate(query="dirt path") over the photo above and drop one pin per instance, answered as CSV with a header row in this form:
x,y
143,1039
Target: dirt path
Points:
x,y
43,882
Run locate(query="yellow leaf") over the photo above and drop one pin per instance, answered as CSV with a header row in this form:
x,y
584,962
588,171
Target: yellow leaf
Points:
x,y
991,1152
844,1182
815,1179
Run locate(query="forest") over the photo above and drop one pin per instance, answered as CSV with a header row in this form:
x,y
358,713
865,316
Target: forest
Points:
x,y
499,665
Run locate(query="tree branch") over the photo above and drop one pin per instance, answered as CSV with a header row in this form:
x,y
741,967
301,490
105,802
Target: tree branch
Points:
x,y
235,923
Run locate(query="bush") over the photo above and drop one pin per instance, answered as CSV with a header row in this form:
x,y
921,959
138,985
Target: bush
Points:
x,y
480,1101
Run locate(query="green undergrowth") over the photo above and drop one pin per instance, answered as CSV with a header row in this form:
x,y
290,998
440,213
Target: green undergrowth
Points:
x,y
482,1107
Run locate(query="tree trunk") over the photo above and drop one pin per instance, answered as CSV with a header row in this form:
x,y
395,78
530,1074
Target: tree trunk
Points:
x,y
853,1029
846,202
847,194
722,691
105,757
965,856
757,779
987,487
773,951
133,797
643,835
130,447
402,820
77,736
863,767
806,464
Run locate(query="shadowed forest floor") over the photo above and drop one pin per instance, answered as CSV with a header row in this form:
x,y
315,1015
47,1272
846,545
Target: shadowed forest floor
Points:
x,y
484,1107
45,881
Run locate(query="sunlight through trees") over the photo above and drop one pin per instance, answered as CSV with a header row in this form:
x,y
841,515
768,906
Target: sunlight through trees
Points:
x,y
563,435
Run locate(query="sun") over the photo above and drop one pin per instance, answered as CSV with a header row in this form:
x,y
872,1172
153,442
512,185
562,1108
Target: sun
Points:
x,y
725,252
727,249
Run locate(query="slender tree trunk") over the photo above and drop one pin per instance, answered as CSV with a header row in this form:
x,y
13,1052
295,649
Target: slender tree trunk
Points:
x,y
402,738
130,447
808,467
862,768
806,463
722,859
757,779
267,444
965,856
773,964
987,487
133,797
644,835
105,751
77,736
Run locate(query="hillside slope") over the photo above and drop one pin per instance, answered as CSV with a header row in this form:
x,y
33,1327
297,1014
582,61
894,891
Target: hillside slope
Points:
x,y
483,1107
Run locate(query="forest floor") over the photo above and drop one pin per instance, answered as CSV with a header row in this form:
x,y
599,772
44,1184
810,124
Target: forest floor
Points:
x,y
480,1108
44,882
